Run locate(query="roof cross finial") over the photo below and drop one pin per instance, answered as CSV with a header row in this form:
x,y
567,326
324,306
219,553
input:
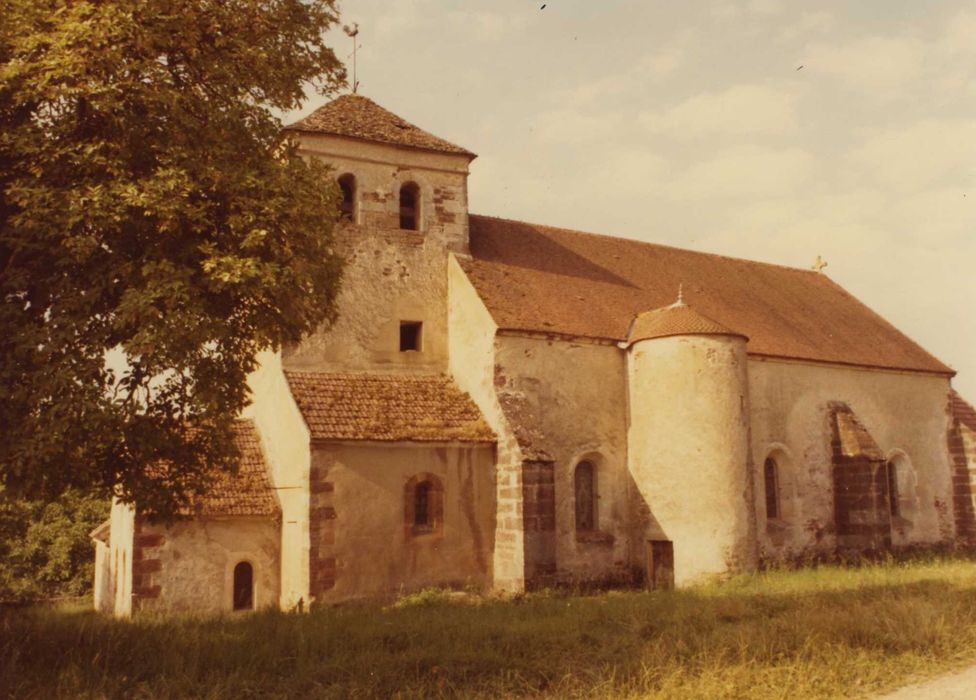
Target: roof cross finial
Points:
x,y
819,265
681,296
352,32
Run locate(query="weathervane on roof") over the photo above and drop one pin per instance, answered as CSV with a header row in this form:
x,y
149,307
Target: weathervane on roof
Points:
x,y
819,265
352,32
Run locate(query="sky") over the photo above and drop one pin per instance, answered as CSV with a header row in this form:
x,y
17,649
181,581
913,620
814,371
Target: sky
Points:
x,y
765,129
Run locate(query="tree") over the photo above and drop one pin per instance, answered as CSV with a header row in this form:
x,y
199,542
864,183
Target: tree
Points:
x,y
150,208
45,547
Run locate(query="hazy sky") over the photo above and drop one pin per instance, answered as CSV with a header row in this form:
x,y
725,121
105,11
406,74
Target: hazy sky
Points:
x,y
688,123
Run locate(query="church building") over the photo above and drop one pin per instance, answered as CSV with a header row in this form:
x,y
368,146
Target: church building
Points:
x,y
504,405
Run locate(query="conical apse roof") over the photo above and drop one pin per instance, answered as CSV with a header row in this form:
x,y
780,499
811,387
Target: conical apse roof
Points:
x,y
677,319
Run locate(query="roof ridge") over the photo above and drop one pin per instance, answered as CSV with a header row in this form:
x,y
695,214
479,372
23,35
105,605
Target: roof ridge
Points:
x,y
651,243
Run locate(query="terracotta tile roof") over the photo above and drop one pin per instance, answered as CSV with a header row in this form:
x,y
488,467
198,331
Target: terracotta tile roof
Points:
x,y
359,117
427,408
851,438
962,411
677,319
249,492
549,280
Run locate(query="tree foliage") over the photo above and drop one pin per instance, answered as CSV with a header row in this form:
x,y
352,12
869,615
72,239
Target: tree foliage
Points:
x,y
149,207
45,546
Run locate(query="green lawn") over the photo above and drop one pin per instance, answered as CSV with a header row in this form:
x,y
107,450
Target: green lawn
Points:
x,y
826,632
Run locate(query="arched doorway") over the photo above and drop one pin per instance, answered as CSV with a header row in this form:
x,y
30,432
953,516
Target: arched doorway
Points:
x,y
243,586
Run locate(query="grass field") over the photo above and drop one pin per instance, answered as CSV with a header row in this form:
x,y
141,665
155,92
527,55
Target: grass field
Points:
x,y
825,632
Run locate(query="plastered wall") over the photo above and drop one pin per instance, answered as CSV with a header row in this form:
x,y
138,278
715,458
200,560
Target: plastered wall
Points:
x,y
103,588
471,350
121,556
197,559
365,540
904,412
575,395
689,450
284,440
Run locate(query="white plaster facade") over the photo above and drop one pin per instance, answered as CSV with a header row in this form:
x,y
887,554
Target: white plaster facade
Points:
x,y
677,427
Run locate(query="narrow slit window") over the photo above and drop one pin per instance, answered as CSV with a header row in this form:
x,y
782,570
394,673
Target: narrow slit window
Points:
x,y
410,332
410,207
421,506
347,208
771,476
243,586
585,487
893,489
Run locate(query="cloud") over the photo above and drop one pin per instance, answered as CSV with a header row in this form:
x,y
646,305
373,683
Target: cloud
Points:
x,y
928,153
809,23
741,110
873,63
743,172
764,8
571,126
488,26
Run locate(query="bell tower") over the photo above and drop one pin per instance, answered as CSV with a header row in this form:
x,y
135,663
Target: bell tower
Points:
x,y
404,211
403,179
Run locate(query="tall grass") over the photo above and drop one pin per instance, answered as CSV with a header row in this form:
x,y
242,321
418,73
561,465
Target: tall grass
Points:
x,y
825,632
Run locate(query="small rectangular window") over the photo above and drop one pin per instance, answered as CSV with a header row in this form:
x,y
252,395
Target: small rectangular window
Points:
x,y
410,335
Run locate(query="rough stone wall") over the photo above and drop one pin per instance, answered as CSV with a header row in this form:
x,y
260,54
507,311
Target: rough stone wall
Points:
x,y
962,450
570,400
189,566
391,275
146,564
361,546
862,511
539,519
904,412
689,455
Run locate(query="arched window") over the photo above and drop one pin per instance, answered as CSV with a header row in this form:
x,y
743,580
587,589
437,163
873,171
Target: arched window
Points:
x,y
347,209
585,490
410,206
243,586
893,506
421,506
771,480
423,503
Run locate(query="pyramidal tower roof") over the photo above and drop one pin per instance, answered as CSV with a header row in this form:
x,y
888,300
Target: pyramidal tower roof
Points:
x,y
677,319
358,117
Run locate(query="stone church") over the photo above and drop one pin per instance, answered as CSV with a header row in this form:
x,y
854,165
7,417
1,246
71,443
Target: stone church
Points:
x,y
505,405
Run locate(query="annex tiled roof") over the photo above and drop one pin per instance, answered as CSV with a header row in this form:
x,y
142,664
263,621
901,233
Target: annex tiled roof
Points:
x,y
550,280
677,319
962,411
249,492
359,117
423,408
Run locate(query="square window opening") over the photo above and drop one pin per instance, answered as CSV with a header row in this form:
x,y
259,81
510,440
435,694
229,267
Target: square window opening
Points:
x,y
410,332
